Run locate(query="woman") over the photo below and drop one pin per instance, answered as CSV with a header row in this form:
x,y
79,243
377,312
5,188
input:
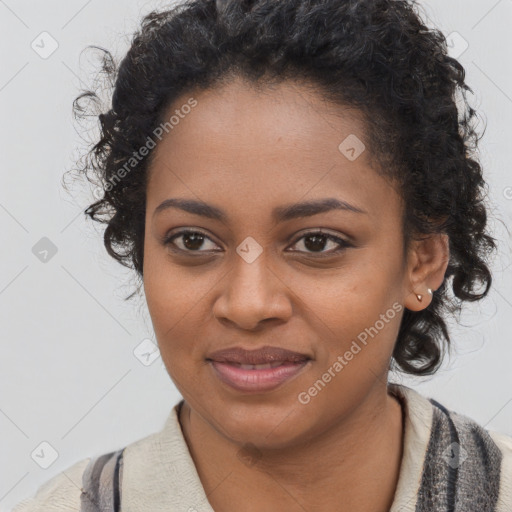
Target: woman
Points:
x,y
296,189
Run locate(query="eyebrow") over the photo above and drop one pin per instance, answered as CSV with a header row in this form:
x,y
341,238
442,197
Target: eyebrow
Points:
x,y
279,214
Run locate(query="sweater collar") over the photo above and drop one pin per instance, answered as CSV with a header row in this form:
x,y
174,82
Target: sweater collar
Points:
x,y
159,473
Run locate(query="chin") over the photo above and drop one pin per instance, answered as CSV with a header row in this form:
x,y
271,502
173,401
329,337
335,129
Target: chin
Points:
x,y
264,425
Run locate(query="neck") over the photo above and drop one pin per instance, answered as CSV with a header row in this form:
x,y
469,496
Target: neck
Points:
x,y
355,462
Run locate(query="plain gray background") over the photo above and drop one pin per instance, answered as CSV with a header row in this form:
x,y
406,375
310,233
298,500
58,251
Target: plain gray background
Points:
x,y
69,376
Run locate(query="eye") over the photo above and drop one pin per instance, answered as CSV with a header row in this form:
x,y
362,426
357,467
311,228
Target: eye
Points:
x,y
316,241
189,241
193,241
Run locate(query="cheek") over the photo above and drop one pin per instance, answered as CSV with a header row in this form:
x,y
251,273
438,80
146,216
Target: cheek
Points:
x,y
176,303
167,289
166,295
175,327
355,312
347,299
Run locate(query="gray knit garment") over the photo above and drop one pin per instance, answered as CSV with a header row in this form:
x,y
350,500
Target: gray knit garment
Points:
x,y
462,466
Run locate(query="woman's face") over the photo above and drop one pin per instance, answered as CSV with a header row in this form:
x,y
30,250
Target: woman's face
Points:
x,y
262,275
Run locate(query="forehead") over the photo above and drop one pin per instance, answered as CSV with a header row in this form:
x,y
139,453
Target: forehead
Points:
x,y
276,144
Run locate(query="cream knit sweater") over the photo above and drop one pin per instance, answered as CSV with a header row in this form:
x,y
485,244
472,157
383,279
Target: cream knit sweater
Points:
x,y
158,473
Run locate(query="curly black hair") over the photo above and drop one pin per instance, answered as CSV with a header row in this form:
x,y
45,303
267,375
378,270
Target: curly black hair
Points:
x,y
375,55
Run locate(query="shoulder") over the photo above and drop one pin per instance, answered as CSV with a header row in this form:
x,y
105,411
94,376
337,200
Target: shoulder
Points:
x,y
504,444
480,459
89,480
463,459
443,424
59,494
478,441
91,484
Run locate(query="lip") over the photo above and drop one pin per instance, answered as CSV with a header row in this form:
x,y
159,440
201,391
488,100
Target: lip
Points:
x,y
285,364
256,380
266,354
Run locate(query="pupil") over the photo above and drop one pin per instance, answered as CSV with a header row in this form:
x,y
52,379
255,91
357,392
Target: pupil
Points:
x,y
196,238
318,242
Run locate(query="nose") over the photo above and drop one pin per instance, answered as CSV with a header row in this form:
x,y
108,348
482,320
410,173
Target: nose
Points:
x,y
252,294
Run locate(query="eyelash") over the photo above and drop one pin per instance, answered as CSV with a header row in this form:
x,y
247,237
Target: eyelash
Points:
x,y
169,241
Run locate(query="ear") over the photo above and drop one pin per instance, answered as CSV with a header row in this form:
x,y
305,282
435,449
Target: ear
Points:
x,y
427,261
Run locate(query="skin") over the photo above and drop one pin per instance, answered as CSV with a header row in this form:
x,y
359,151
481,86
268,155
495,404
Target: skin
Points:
x,y
247,151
